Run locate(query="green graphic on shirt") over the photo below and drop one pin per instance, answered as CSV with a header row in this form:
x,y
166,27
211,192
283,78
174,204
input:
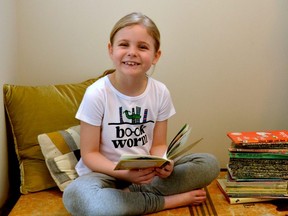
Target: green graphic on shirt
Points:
x,y
131,116
134,115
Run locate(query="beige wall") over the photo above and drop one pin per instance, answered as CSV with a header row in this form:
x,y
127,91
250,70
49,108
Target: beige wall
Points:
x,y
8,68
225,62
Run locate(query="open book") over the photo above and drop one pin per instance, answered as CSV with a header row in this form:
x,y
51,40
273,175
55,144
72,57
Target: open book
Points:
x,y
177,148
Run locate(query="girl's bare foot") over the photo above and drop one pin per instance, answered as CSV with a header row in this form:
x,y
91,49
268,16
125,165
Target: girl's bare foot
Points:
x,y
194,197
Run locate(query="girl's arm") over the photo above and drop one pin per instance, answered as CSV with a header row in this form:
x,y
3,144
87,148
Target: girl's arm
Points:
x,y
90,145
159,148
159,145
90,139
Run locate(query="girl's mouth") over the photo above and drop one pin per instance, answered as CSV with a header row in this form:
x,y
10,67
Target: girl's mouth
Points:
x,y
130,63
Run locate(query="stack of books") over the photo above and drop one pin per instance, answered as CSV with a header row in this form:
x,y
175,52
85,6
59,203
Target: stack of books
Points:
x,y
257,168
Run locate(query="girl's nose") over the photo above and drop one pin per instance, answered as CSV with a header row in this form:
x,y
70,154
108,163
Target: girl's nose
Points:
x,y
132,52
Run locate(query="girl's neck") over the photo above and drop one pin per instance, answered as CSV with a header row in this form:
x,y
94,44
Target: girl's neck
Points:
x,y
129,85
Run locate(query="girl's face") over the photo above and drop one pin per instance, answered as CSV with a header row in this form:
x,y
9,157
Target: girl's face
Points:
x,y
132,51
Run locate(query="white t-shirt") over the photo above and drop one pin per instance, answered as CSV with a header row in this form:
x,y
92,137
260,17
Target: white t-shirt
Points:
x,y
127,123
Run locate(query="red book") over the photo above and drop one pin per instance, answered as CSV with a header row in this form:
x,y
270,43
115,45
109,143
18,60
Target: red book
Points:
x,y
259,136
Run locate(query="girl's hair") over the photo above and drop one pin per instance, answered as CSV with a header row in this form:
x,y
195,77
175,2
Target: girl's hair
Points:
x,y
134,19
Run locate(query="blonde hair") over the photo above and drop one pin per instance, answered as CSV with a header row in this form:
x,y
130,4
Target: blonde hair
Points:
x,y
136,19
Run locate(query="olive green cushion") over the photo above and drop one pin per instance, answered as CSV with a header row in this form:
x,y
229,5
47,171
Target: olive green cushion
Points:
x,y
33,110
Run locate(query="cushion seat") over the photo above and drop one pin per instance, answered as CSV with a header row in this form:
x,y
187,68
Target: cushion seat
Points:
x,y
46,202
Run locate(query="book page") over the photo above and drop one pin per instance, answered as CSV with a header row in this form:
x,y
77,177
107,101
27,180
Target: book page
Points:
x,y
139,162
177,148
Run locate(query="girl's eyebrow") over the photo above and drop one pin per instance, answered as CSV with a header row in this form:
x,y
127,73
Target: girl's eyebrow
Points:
x,y
122,40
143,42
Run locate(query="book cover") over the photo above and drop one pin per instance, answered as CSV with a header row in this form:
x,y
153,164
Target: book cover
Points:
x,y
272,136
176,149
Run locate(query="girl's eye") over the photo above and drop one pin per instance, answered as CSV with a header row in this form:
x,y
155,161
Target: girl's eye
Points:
x,y
123,44
143,47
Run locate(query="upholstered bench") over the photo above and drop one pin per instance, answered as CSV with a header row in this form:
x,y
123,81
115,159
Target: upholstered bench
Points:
x,y
47,202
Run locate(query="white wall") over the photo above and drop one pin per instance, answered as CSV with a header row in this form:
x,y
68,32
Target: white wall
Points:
x,y
225,62
8,69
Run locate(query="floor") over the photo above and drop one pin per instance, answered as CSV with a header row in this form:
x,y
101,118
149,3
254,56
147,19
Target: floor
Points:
x,y
216,204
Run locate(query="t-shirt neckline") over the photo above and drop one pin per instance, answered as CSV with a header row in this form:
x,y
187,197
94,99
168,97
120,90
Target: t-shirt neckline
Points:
x,y
126,96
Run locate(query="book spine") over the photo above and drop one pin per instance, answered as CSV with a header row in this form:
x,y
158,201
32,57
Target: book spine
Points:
x,y
279,151
255,191
259,195
247,200
276,145
258,155
257,185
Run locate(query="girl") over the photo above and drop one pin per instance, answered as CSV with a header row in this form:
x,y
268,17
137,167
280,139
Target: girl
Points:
x,y
127,111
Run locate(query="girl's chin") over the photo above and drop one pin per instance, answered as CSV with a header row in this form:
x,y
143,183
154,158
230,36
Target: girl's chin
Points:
x,y
133,72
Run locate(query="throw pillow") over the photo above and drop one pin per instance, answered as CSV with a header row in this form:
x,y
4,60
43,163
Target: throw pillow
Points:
x,y
61,153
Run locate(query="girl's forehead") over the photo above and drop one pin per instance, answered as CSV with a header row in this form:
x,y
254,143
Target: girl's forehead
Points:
x,y
133,32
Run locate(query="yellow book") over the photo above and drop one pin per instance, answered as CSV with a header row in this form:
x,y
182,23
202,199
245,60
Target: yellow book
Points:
x,y
221,183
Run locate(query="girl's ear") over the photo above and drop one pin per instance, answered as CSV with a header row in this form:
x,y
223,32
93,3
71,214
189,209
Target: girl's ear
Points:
x,y
110,49
157,56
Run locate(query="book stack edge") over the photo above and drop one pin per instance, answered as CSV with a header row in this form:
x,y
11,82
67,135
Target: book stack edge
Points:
x,y
257,168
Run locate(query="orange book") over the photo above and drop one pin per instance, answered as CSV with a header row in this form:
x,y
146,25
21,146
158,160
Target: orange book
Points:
x,y
259,136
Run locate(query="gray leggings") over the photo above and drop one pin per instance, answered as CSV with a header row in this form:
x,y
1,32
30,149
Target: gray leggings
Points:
x,y
99,194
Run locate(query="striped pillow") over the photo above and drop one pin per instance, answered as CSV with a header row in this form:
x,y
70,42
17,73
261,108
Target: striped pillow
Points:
x,y
61,152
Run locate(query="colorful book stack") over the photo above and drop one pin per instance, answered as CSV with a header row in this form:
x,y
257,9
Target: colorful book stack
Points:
x,y
257,168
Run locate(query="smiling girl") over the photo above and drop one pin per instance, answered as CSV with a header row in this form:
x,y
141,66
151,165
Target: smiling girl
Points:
x,y
127,111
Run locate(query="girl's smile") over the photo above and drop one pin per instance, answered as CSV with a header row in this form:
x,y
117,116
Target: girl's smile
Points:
x,y
130,63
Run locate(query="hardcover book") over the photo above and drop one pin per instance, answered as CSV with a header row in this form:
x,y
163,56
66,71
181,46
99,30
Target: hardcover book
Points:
x,y
221,183
273,136
234,148
259,155
177,148
243,169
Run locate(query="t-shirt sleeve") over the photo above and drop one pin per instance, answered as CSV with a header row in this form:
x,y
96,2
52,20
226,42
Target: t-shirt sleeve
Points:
x,y
91,108
167,108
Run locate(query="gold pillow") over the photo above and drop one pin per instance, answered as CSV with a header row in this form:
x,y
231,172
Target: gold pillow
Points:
x,y
33,110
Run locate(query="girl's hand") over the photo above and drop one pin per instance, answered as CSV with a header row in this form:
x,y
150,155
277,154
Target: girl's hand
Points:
x,y
165,171
141,176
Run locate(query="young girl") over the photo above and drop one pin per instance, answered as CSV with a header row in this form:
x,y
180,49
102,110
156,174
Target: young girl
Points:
x,y
126,111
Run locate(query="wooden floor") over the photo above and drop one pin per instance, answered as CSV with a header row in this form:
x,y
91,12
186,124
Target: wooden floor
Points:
x,y
216,204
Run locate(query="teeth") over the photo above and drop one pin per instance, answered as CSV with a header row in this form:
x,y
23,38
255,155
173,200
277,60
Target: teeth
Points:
x,y
131,63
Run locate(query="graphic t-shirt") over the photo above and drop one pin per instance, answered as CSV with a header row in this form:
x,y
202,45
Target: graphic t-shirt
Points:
x,y
127,123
